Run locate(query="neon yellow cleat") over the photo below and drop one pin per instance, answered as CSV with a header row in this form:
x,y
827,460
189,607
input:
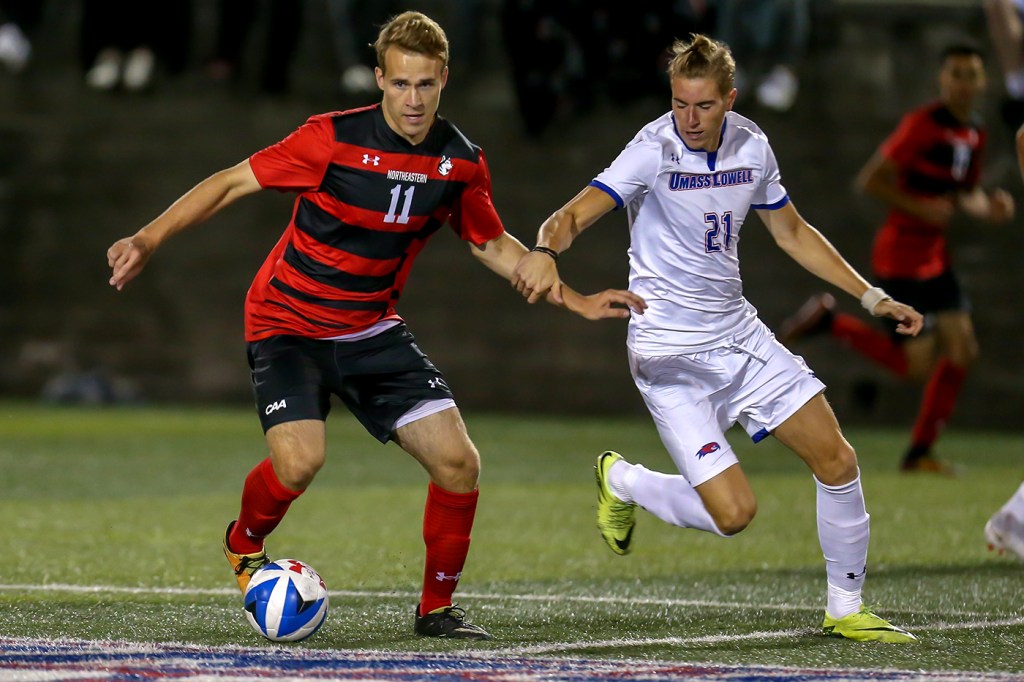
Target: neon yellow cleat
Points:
x,y
243,565
615,518
865,626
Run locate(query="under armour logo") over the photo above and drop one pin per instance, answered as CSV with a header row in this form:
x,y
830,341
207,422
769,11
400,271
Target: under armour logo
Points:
x,y
375,160
438,383
442,576
674,157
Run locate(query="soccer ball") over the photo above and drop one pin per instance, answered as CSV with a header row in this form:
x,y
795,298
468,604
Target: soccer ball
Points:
x,y
286,601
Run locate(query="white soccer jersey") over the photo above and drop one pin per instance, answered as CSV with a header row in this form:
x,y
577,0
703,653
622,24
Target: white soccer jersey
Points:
x,y
685,209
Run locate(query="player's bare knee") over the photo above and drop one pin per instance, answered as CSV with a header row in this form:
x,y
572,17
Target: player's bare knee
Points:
x,y
963,355
296,473
838,466
458,473
735,518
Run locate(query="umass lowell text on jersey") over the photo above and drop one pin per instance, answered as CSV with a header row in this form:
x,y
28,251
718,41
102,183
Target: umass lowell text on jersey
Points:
x,y
367,203
684,181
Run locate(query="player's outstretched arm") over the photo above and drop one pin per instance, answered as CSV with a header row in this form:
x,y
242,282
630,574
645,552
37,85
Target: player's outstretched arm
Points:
x,y
880,178
995,206
607,304
128,256
536,274
817,255
910,321
503,253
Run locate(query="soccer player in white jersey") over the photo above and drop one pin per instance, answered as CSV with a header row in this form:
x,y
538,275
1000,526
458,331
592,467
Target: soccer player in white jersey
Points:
x,y
700,356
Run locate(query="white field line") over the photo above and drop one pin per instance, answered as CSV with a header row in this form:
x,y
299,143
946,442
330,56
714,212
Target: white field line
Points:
x,y
554,647
555,598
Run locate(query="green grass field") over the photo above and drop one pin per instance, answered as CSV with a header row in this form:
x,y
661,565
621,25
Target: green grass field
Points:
x,y
112,520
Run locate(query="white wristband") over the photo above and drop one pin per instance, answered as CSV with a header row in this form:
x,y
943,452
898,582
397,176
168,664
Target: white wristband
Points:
x,y
872,297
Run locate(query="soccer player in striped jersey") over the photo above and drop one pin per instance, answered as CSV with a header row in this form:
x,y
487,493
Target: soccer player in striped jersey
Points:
x,y
925,172
372,185
699,355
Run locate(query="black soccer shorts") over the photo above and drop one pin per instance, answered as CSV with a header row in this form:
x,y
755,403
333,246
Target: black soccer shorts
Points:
x,y
379,378
940,294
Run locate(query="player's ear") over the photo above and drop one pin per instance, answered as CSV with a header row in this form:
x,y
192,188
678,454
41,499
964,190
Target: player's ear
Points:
x,y
444,77
730,99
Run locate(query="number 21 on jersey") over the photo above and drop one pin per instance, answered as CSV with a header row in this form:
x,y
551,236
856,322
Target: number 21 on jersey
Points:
x,y
718,237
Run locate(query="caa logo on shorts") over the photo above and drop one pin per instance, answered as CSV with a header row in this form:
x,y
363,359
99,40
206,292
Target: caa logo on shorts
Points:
x,y
708,449
280,404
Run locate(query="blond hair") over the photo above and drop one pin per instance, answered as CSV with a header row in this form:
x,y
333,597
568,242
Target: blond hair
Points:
x,y
412,32
703,57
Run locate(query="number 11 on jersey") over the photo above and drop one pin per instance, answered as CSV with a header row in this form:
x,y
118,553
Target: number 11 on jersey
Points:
x,y
396,192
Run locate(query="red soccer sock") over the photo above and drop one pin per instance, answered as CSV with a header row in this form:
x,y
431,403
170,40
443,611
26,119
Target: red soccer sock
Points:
x,y
870,342
264,503
937,405
447,522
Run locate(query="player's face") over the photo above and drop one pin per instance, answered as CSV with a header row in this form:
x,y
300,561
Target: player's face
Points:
x,y
961,82
699,108
412,85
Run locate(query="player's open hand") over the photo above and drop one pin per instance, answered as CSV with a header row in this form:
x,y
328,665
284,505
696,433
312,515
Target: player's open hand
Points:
x,y
910,321
535,275
126,258
607,304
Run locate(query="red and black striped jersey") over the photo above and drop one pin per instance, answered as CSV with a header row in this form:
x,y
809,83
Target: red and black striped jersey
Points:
x,y
936,155
367,202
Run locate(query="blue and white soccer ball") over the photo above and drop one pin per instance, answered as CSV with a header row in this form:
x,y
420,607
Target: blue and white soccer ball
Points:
x,y
286,601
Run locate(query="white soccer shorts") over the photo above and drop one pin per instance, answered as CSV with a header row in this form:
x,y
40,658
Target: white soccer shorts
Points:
x,y
695,398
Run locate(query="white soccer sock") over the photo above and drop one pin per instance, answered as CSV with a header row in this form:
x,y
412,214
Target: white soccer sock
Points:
x,y
844,527
669,497
616,474
842,601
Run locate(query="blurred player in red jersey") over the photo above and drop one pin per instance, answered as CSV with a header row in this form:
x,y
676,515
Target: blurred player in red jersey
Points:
x,y
926,171
373,185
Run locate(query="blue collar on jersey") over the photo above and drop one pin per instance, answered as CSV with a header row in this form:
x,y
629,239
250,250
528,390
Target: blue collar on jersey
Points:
x,y
712,156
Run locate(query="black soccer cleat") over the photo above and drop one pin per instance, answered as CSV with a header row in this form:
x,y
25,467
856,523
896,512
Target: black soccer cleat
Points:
x,y
449,622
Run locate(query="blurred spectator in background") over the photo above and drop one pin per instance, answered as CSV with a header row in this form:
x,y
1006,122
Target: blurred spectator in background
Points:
x,y
354,26
1006,30
638,32
122,40
18,18
236,21
567,54
771,36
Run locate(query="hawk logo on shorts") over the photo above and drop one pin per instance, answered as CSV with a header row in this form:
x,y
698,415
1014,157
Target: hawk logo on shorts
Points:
x,y
708,449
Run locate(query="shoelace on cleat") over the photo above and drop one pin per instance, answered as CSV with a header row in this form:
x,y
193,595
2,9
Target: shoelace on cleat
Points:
x,y
255,563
